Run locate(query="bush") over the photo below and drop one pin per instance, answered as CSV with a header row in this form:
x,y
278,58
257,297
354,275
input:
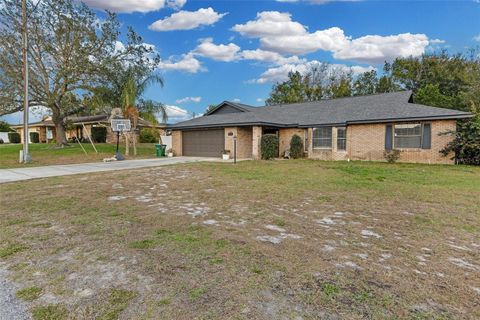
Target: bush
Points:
x,y
34,137
391,155
269,146
466,142
5,127
99,134
296,147
149,135
14,137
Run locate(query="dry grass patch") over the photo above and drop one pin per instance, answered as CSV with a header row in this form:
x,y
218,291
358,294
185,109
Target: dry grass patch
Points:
x,y
259,240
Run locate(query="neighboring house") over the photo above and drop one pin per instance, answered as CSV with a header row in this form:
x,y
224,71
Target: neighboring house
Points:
x,y
353,128
80,127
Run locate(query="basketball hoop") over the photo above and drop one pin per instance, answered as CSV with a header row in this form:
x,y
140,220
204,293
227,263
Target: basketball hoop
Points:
x,y
120,126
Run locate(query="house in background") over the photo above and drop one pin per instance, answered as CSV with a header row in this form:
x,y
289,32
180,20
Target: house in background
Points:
x,y
81,127
353,128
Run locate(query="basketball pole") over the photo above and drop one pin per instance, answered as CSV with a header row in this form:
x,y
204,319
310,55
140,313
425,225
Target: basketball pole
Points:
x,y
118,140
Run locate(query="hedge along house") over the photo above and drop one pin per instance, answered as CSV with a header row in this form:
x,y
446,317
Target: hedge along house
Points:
x,y
353,128
97,127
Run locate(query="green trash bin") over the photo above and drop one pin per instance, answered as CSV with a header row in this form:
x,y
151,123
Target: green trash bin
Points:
x,y
160,150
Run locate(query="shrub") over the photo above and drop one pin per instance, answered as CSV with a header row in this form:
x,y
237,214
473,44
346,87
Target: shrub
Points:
x,y
34,137
149,135
1,141
296,147
5,127
99,134
14,137
391,155
269,146
466,142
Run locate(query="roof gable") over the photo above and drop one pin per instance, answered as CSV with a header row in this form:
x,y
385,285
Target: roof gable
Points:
x,y
229,107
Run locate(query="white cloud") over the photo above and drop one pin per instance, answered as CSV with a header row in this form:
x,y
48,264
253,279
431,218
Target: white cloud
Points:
x,y
187,63
331,39
277,32
280,73
437,41
270,23
129,6
377,49
221,52
187,20
176,114
260,100
268,56
236,100
477,38
189,99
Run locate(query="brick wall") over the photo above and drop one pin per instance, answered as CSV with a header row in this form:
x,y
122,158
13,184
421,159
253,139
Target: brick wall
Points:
x,y
367,142
244,141
285,136
177,142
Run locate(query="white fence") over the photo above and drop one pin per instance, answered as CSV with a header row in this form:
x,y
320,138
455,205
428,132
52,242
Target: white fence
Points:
x,y
4,137
167,140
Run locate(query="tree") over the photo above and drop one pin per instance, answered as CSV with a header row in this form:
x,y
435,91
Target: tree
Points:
x,y
439,77
5,127
70,53
321,81
340,86
289,91
366,83
210,108
126,87
385,82
466,142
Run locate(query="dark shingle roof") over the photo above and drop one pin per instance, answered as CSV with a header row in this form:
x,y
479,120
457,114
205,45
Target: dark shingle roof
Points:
x,y
386,107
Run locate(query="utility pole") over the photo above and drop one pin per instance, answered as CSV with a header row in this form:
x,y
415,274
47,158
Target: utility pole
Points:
x,y
26,156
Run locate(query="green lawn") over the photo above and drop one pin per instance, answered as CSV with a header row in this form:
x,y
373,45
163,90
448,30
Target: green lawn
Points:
x,y
296,239
47,154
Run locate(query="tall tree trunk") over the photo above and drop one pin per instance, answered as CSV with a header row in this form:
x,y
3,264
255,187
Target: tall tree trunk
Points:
x,y
134,141
60,135
127,143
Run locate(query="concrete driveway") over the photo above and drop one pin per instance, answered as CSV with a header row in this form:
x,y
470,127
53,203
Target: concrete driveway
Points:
x,y
19,174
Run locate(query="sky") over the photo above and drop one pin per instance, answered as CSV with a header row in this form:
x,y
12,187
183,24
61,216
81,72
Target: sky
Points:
x,y
236,50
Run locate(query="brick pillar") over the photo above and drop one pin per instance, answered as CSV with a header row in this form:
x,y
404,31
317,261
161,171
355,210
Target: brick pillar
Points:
x,y
334,140
310,142
256,137
177,146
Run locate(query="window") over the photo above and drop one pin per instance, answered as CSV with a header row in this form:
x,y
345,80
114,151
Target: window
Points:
x,y
408,136
322,138
342,138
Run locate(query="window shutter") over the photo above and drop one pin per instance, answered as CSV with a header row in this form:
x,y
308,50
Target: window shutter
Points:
x,y
427,136
388,137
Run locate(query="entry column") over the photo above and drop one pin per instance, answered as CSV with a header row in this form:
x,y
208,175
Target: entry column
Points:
x,y
256,138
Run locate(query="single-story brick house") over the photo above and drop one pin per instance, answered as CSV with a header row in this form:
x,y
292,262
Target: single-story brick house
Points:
x,y
80,127
353,128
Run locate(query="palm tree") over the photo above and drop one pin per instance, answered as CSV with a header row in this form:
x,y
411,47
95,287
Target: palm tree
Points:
x,y
134,106
125,91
